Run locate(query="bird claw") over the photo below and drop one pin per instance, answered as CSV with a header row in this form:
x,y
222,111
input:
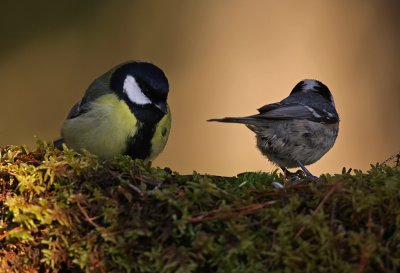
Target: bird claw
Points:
x,y
296,178
309,176
293,178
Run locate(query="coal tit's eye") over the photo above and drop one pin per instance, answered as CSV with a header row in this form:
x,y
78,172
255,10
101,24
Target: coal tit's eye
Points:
x,y
135,94
323,90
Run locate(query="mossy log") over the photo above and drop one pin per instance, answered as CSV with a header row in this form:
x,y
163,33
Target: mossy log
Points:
x,y
66,212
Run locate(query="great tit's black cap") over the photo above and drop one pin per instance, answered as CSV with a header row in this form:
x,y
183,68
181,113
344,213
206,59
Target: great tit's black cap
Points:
x,y
149,77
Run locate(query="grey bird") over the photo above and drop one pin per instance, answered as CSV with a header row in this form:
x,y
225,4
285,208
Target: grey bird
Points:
x,y
298,130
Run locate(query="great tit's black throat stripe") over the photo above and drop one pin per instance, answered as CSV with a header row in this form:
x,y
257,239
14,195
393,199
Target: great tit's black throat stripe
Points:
x,y
148,116
139,146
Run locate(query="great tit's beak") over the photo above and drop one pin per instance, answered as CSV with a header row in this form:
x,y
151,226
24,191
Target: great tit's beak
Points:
x,y
162,106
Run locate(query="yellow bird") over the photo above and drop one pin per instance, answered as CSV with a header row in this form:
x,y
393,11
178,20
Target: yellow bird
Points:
x,y
124,111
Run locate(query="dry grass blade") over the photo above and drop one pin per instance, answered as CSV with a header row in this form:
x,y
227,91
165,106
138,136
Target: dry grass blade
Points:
x,y
220,214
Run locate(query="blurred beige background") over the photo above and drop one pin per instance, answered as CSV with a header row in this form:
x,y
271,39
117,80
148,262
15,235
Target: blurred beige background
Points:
x,y
222,58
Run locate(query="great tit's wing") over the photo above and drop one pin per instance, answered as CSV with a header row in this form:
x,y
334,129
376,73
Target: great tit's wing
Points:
x,y
79,108
282,111
74,112
98,88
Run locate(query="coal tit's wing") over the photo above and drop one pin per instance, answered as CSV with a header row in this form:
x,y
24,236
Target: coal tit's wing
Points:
x,y
283,111
270,107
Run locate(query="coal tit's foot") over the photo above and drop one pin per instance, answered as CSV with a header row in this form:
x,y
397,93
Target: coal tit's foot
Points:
x,y
309,175
293,178
297,177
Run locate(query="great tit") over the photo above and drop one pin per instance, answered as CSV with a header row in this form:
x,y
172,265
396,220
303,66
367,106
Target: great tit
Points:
x,y
124,111
298,130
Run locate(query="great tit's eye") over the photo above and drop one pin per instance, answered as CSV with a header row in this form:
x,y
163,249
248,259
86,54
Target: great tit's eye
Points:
x,y
134,92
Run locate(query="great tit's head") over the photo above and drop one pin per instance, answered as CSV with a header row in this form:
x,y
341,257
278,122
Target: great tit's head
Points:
x,y
313,86
141,85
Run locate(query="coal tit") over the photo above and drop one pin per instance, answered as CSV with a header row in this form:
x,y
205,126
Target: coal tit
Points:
x,y
298,130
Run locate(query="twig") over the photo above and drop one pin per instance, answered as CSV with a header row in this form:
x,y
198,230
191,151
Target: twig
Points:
x,y
366,254
90,220
320,205
397,156
16,229
219,213
136,189
288,190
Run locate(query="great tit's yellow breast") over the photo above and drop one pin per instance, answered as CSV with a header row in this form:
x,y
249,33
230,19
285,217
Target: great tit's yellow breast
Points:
x,y
103,129
160,136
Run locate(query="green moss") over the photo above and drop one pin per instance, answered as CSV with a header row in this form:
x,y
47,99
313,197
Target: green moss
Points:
x,y
60,211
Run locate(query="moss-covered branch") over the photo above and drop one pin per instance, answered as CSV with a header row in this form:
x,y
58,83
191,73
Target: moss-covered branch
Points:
x,y
60,211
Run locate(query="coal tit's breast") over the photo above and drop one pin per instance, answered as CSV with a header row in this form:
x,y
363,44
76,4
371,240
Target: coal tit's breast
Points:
x,y
286,141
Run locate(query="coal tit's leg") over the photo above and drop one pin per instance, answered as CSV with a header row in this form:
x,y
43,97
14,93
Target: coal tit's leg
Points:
x,y
291,177
307,172
278,185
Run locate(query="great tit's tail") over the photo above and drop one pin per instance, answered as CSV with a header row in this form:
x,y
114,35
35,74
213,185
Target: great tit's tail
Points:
x,y
58,143
243,120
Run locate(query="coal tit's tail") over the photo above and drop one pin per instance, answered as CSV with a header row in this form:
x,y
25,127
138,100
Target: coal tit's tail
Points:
x,y
243,120
229,119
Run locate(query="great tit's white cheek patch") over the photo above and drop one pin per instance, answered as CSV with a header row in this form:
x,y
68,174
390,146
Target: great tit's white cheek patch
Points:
x,y
133,91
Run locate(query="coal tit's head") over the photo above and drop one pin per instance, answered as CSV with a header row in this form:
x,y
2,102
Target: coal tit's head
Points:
x,y
314,86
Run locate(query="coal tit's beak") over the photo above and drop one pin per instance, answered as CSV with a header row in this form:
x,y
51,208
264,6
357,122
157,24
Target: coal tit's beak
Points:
x,y
162,106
